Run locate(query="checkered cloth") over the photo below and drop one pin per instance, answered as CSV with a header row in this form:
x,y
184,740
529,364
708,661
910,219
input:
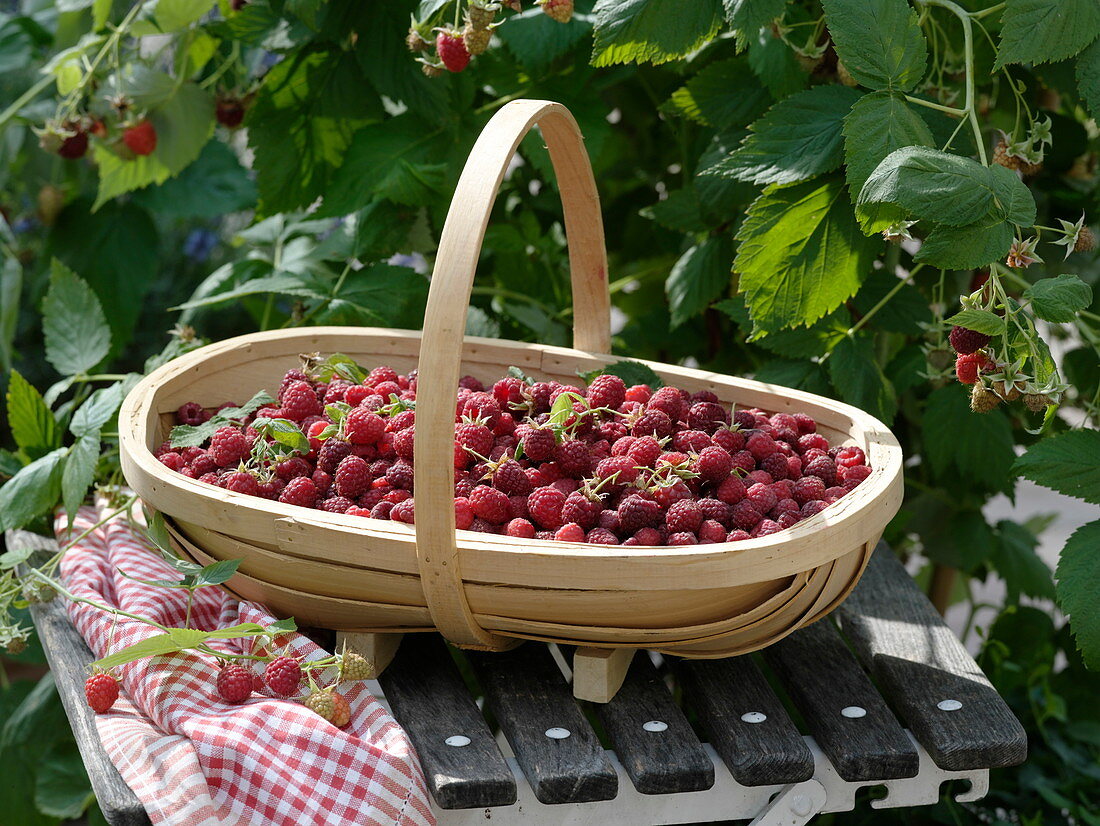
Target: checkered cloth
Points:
x,y
192,758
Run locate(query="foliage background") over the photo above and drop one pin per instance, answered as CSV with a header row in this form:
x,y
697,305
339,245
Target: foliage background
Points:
x,y
743,257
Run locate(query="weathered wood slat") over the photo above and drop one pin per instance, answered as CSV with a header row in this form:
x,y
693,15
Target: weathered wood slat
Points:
x,y
927,673
658,760
846,715
745,722
429,699
555,746
69,656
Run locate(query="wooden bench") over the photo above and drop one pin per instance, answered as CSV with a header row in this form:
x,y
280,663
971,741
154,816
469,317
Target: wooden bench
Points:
x,y
890,699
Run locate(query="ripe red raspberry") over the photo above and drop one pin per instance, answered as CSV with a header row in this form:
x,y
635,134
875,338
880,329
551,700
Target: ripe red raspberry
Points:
x,y
669,401
582,509
805,423
814,507
283,676
684,516
745,515
352,477
538,443
762,496
644,451
452,51
760,445
852,476
381,374
850,456
611,431
744,461
520,528
396,495
293,468
737,535
490,504
322,480
834,493
399,475
668,494
299,401
639,393
729,440
336,504
234,683
228,446
964,341
717,510
101,691
652,422
713,465
545,506
364,427
775,466
241,481
967,367
784,506
300,491
766,527
510,478
381,510
691,441
172,461
573,457
683,538
569,532
404,511
809,441
601,536
404,442
711,531
707,416
606,391
508,391
823,468
476,436
646,536
808,489
191,413
620,469
141,138
331,454
732,490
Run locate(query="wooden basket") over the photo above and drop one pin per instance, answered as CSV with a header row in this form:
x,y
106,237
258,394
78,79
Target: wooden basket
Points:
x,y
485,591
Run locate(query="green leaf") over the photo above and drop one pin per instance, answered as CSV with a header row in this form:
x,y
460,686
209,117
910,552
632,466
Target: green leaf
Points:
x,y
172,15
859,380
212,186
11,286
747,17
284,432
282,626
1068,463
148,647
1078,572
879,41
905,312
981,321
801,375
878,124
958,538
969,247
721,198
536,40
1012,199
183,435
1088,77
97,410
801,254
1059,299
774,62
631,372
384,59
61,787
397,295
933,185
680,211
697,278
280,284
75,328
800,343
1015,560
1039,31
798,138
218,572
725,94
652,31
303,120
32,424
976,448
32,491
79,472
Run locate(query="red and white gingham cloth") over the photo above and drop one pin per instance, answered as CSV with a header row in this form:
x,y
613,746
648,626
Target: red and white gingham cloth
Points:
x,y
192,758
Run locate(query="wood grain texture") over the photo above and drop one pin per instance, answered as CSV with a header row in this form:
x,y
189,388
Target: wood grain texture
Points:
x,y
69,657
722,693
657,762
528,695
429,699
599,672
919,663
823,679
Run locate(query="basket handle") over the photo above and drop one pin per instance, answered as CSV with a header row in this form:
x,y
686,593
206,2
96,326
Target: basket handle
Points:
x,y
445,324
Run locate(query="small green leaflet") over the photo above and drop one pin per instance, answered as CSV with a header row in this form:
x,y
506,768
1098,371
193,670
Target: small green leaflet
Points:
x,y
75,328
1068,463
1038,31
1059,299
32,423
1023,570
284,432
969,247
562,408
878,124
652,31
79,472
747,17
697,278
631,372
97,410
776,65
32,491
342,367
177,639
516,373
879,41
1088,77
184,435
981,321
1078,572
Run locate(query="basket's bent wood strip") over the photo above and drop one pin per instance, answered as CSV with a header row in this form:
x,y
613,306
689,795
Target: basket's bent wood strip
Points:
x,y
429,699
529,698
69,657
657,760
844,711
745,722
445,323
927,673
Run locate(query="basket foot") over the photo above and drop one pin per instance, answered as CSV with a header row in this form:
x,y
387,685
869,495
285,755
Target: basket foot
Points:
x,y
598,673
377,649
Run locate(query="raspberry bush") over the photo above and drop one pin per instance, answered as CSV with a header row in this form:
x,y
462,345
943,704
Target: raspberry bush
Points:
x,y
892,202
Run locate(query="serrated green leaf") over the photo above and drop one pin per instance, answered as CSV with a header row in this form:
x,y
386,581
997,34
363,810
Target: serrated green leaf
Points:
x,y
32,491
697,278
859,380
800,343
801,375
905,312
278,284
747,17
97,410
958,538
172,15
1039,31
721,197
284,432
1088,77
1068,463
1015,560
878,124
652,31
974,447
725,95
981,321
879,41
801,254
79,472
75,328
1078,572
213,185
1012,200
32,424
536,40
775,63
1059,299
282,626
680,211
183,435
218,572
149,647
963,248
11,287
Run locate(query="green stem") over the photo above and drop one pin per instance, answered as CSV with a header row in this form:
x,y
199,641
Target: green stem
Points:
x,y
25,98
190,601
65,592
107,48
978,15
939,107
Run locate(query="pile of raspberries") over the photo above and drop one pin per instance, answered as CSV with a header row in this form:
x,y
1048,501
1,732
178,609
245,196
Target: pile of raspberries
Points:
x,y
608,465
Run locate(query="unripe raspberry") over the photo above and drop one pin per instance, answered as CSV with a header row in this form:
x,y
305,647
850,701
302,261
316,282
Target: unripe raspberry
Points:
x,y
353,667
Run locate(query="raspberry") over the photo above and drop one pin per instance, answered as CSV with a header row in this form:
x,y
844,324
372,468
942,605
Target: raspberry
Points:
x,y
173,461
538,443
490,504
669,401
101,691
475,436
399,475
322,480
854,475
330,705
711,531
559,10
743,460
610,520
141,138
647,536
621,468
299,401
299,491
717,510
242,481
683,538
639,393
228,446
814,507
968,367
667,495
464,514
337,504
404,511
775,466
569,532
582,510
808,489
234,683
510,478
652,423
809,441
381,510
766,527
823,468
730,441
331,454
404,442
396,495
783,506
606,391
191,413
707,416
691,441
964,341
283,675
737,535
850,457
762,496
364,427
713,465
545,506
684,516
352,477
644,451
520,528
805,423
732,490
452,50
760,445
601,536
293,468
573,457
353,667
834,493
381,374
745,515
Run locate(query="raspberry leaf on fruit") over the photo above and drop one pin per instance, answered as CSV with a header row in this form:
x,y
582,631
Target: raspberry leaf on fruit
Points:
x,y
801,254
879,41
699,276
75,328
1038,31
652,31
878,124
284,432
1077,574
981,321
1068,463
1059,299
